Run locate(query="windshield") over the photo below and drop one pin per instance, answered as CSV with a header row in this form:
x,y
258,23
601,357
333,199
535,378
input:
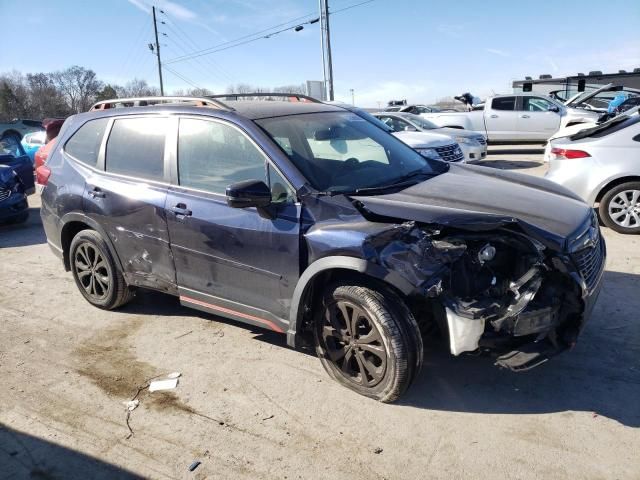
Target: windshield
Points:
x,y
11,146
420,122
340,152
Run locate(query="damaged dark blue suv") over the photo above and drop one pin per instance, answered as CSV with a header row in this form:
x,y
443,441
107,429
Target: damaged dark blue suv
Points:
x,y
310,220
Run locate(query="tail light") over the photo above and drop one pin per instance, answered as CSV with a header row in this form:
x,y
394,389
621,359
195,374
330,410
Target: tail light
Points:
x,y
559,153
42,174
39,158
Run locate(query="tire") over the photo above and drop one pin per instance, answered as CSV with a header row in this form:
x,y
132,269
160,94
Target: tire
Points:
x,y
620,208
384,355
95,272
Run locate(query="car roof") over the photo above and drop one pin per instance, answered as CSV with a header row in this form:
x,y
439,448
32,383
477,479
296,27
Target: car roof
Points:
x,y
251,109
257,109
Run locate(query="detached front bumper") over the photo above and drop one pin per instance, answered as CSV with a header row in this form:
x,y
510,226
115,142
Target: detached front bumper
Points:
x,y
13,206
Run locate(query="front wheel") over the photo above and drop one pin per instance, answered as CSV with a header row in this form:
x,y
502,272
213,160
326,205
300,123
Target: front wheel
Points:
x,y
368,341
620,208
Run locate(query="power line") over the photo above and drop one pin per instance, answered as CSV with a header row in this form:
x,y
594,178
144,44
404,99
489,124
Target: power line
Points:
x,y
216,48
351,6
237,42
183,78
182,40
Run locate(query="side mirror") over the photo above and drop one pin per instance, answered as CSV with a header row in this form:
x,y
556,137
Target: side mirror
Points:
x,y
554,108
248,193
410,128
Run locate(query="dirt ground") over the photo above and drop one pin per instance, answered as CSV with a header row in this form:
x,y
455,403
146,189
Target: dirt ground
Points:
x,y
248,407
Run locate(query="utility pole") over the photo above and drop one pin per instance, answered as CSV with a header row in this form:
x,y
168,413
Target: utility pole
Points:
x,y
353,97
326,47
155,28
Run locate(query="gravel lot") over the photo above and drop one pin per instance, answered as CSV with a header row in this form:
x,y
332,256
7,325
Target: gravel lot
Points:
x,y
249,407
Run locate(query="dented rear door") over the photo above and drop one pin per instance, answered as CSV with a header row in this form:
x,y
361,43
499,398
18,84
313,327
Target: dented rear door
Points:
x,y
127,194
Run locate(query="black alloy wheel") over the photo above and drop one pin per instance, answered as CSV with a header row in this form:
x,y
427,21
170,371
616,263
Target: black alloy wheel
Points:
x,y
97,275
353,343
91,270
368,340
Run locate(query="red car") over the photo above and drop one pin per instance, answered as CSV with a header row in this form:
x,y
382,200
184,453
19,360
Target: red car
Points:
x,y
52,128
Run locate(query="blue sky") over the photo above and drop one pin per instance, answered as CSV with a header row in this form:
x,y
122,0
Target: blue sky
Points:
x,y
419,50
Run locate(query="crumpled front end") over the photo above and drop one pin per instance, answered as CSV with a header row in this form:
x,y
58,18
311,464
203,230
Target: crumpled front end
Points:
x,y
499,290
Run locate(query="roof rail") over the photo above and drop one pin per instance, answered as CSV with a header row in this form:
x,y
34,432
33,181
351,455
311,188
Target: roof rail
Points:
x,y
150,101
298,97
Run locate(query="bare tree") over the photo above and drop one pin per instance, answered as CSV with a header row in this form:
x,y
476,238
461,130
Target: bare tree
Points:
x,y
138,88
44,99
300,89
78,85
14,101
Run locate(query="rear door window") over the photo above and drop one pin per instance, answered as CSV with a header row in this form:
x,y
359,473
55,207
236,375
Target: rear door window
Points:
x,y
503,103
84,145
136,147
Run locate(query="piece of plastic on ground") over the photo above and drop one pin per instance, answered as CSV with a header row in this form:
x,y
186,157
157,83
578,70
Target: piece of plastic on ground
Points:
x,y
167,384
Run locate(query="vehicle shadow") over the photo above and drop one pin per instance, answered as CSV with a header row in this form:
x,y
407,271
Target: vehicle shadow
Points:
x,y
509,164
600,375
516,151
26,456
23,234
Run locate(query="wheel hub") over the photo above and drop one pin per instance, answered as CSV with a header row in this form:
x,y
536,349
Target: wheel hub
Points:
x,y
624,209
354,344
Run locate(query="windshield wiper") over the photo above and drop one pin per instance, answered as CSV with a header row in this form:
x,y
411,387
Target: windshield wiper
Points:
x,y
400,182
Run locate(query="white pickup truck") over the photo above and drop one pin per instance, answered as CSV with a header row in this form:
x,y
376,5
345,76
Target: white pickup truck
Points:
x,y
515,118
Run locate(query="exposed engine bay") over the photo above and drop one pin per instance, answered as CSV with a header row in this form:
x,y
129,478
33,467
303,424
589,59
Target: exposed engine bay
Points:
x,y
495,290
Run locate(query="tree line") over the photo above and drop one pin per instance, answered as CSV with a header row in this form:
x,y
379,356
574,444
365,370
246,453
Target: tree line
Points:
x,y
73,90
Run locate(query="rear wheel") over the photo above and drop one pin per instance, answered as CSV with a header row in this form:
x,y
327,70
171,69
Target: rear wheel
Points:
x,y
620,208
368,341
95,272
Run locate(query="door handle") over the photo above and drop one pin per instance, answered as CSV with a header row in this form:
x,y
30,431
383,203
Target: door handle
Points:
x,y
181,210
96,193
494,116
524,116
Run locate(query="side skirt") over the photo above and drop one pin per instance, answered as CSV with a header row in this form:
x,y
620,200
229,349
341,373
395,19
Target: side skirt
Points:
x,y
234,310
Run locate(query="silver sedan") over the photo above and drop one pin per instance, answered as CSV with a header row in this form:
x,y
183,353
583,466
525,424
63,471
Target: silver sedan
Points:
x,y
473,144
601,164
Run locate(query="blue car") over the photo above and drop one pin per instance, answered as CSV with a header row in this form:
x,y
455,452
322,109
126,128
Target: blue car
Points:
x,y
31,142
13,155
13,199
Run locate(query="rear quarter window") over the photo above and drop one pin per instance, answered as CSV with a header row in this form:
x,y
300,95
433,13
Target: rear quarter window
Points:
x,y
136,147
84,145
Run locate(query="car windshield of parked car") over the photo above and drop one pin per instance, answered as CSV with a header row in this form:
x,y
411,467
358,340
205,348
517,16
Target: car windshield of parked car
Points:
x,y
421,122
11,146
340,152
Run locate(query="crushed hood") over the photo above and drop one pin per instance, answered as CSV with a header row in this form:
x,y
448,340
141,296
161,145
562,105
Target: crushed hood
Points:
x,y
484,198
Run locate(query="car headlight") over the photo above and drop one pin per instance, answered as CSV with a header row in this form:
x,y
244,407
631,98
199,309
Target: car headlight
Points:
x,y
428,153
465,140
